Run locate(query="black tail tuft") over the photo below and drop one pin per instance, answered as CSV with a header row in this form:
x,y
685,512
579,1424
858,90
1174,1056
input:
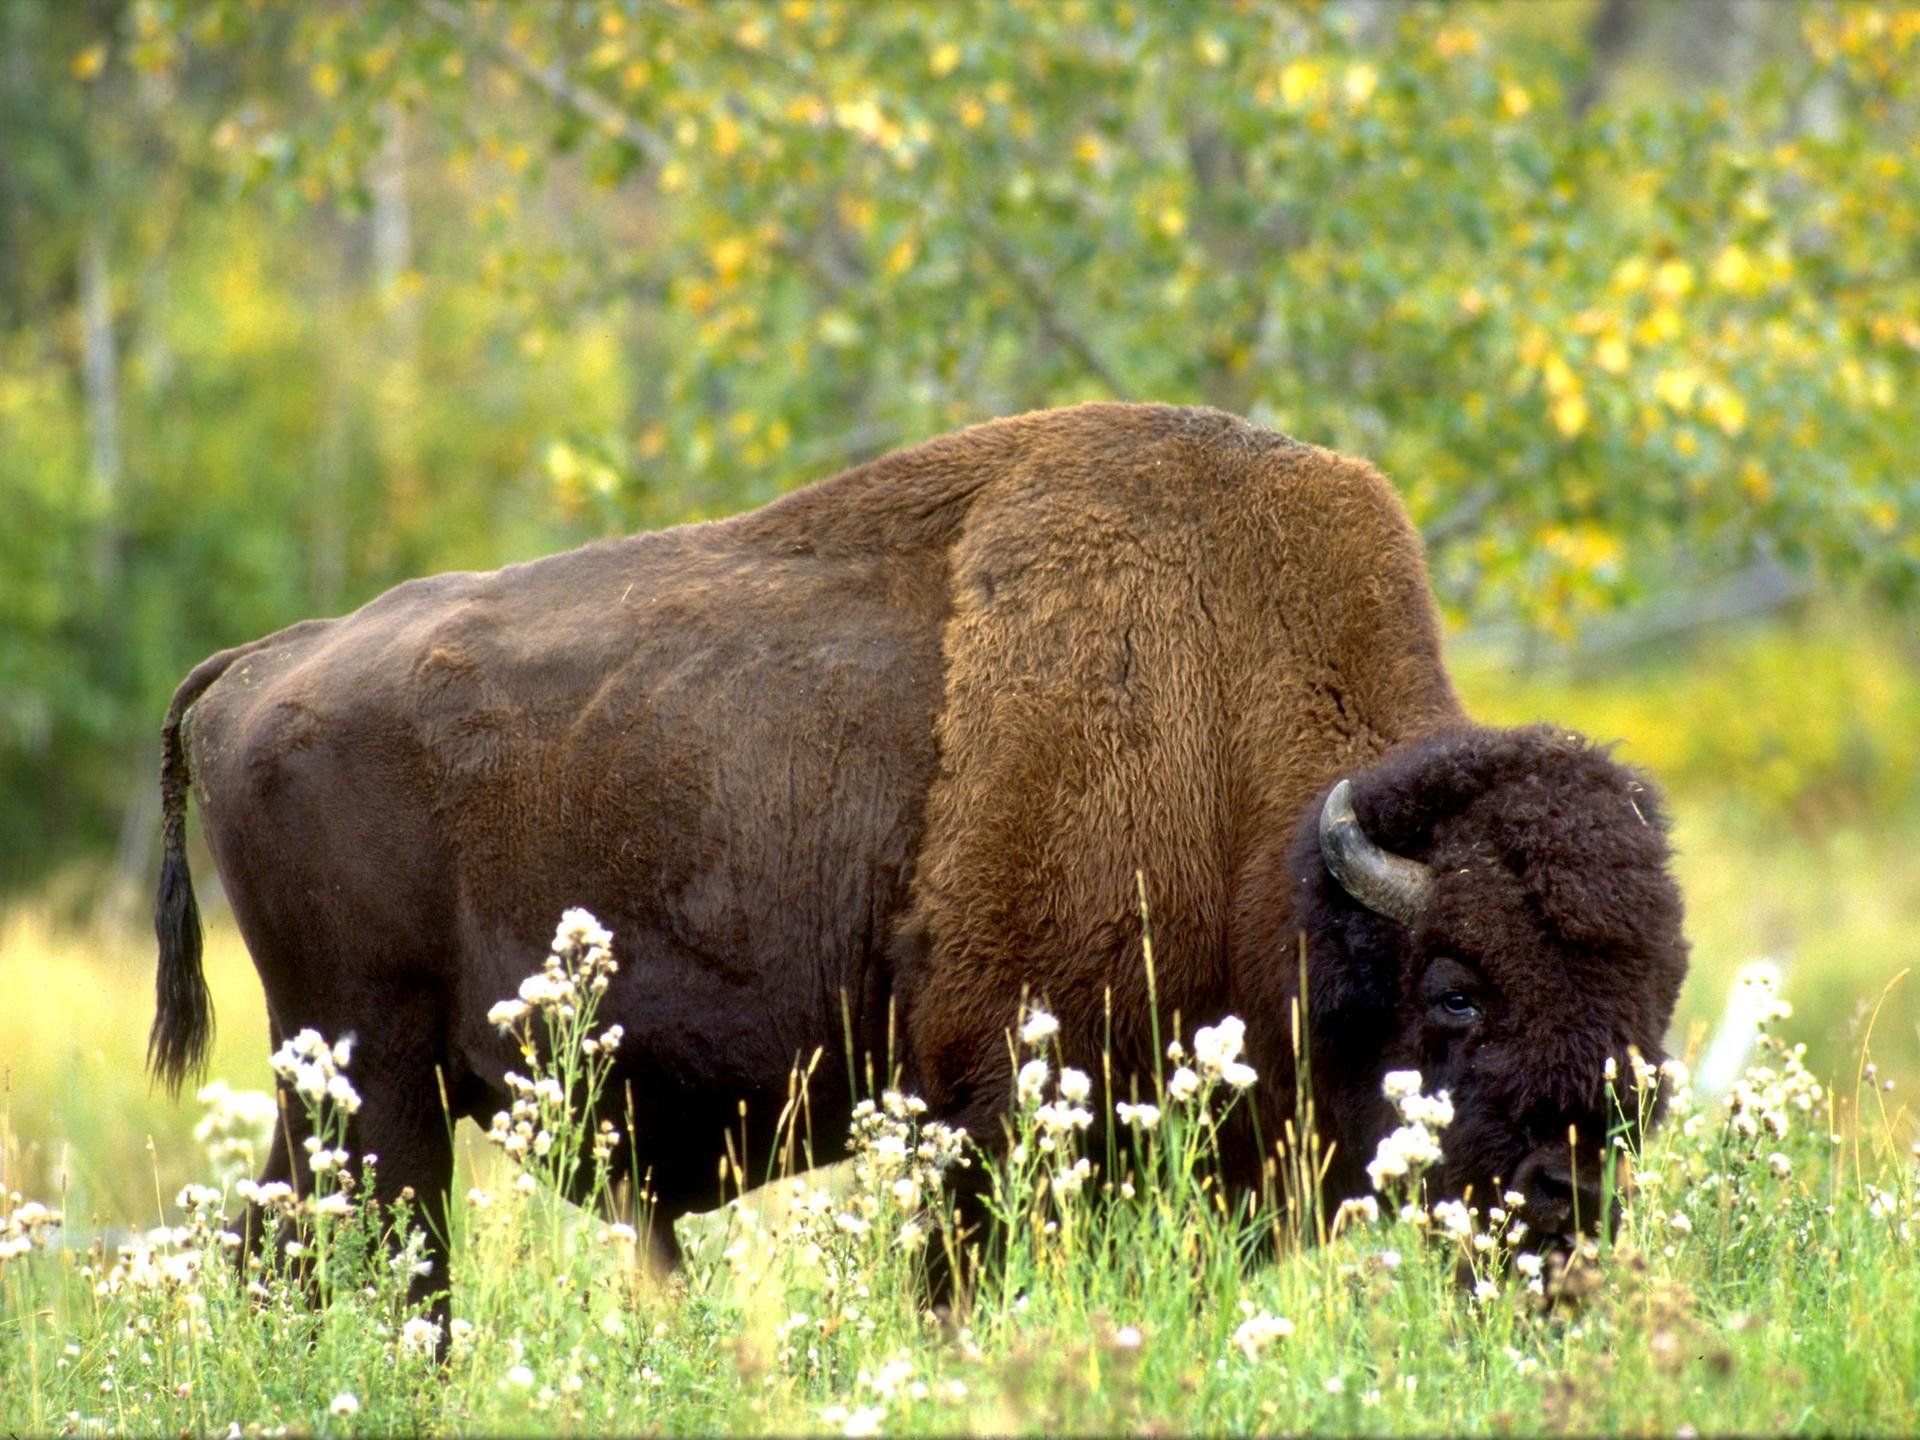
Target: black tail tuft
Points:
x,y
183,1010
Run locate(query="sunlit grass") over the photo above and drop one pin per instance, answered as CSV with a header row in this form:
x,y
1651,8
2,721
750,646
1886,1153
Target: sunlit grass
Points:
x,y
1764,1278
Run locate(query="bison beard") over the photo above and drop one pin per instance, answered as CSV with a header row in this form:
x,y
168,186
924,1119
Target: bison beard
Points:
x,y
866,766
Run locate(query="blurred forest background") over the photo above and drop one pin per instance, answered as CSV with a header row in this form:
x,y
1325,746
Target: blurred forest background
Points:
x,y
297,300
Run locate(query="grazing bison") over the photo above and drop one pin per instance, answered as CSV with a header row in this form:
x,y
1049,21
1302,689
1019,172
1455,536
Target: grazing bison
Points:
x,y
888,753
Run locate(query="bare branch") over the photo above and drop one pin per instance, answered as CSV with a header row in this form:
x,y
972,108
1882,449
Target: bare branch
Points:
x,y
552,79
1036,291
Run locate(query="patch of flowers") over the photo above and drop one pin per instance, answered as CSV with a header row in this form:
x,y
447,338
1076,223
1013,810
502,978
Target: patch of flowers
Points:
x,y
544,1131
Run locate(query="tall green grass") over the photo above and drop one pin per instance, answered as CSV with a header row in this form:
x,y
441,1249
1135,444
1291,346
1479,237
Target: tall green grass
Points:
x,y
1764,1277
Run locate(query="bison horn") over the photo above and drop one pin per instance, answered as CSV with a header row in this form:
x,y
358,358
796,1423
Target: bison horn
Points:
x,y
1387,884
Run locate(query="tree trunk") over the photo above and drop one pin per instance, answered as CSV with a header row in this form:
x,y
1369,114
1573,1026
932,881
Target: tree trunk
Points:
x,y
100,373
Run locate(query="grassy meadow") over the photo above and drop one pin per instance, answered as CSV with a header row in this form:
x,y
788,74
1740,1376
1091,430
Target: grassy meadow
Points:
x,y
1764,1277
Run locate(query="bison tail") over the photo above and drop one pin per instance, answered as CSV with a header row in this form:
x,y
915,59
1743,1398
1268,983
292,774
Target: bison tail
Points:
x,y
183,1008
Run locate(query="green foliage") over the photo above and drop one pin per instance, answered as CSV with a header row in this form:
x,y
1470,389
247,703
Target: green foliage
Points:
x,y
394,286
1810,724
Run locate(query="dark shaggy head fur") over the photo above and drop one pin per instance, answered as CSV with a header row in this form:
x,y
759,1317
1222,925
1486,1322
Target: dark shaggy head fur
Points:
x,y
1551,942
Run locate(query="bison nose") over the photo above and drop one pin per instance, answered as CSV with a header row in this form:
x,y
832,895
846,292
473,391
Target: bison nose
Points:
x,y
1558,1199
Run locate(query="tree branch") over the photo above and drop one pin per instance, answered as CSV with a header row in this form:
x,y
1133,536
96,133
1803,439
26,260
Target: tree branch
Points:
x,y
1034,289
554,81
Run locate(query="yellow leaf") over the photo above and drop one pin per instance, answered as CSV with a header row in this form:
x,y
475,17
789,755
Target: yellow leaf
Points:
x,y
1299,82
1088,149
729,256
325,79
1570,414
1172,221
1662,324
89,62
944,60
900,257
563,465
1676,386
1210,48
1611,354
1361,82
1558,377
1515,101
1726,409
1631,273
972,112
1755,482
1733,270
1673,280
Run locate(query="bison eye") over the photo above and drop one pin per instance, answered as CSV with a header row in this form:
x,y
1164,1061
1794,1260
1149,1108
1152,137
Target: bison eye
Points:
x,y
1458,1005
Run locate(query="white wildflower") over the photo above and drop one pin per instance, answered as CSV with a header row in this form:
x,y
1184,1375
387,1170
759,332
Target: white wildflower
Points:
x,y
419,1336
1075,1085
1183,1084
1527,1263
507,1013
1039,1027
1401,1153
578,927
1399,1084
1433,1111
1141,1117
343,1094
1257,1332
1362,1207
520,1377
1031,1080
345,1403
1454,1218
1069,1182
1217,1046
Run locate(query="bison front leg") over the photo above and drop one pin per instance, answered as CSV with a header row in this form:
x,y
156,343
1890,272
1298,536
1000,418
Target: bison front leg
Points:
x,y
402,1137
395,1158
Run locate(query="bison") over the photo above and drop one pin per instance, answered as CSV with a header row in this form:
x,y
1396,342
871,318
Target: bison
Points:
x,y
867,766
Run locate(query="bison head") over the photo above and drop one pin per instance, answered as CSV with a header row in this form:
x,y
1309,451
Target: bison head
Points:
x,y
1491,908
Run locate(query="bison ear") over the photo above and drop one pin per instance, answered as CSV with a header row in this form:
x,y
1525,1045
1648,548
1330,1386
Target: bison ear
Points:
x,y
1387,884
